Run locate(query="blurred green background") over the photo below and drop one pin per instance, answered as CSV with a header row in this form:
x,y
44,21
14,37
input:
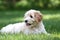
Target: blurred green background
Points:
x,y
28,4
12,11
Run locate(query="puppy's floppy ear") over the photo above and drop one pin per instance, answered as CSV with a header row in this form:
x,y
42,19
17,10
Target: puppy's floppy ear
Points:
x,y
38,16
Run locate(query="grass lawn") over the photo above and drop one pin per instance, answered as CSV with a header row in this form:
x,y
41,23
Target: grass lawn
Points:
x,y
51,19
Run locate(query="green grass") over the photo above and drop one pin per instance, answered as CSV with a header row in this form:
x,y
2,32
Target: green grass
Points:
x,y
51,20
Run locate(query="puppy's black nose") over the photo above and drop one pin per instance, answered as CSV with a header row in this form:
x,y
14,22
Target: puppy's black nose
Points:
x,y
26,21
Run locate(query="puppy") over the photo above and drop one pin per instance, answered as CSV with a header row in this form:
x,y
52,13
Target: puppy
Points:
x,y
32,24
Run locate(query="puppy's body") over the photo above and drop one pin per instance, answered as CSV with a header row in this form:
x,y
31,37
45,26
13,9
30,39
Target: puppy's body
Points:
x,y
32,25
13,28
21,27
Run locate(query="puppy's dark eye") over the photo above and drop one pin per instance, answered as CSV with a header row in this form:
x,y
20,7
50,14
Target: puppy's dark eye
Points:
x,y
31,16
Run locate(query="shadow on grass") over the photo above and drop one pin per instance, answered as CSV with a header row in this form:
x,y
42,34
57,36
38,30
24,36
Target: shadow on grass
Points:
x,y
52,23
56,38
11,14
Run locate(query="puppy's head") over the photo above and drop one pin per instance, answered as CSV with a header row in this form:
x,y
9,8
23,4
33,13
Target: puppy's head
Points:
x,y
32,17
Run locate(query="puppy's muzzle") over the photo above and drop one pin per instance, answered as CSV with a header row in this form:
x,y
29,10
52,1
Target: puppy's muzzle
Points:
x,y
28,24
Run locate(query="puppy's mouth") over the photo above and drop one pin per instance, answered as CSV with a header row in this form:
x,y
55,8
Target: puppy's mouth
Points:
x,y
28,24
